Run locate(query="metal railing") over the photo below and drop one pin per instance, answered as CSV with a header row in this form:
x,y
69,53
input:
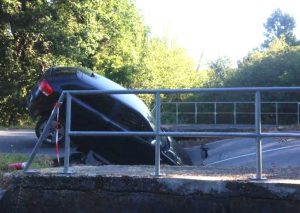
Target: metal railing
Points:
x,y
175,113
257,134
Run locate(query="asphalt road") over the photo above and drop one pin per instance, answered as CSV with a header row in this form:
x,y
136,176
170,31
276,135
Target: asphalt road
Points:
x,y
23,141
229,152
242,152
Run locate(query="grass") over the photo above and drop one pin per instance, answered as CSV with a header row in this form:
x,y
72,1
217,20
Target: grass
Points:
x,y
39,162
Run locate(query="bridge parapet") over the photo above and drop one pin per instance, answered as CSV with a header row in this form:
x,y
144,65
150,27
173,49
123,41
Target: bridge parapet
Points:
x,y
134,189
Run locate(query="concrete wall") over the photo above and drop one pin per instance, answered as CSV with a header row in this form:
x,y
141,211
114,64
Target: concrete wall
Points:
x,y
92,192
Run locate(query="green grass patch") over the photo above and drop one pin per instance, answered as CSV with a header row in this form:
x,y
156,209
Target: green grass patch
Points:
x,y
39,162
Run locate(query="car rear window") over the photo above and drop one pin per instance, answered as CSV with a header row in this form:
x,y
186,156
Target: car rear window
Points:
x,y
63,71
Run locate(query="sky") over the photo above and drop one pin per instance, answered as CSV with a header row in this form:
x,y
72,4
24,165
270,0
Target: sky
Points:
x,y
209,29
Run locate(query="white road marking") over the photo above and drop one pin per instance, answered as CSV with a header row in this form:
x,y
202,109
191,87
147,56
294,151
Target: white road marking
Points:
x,y
241,156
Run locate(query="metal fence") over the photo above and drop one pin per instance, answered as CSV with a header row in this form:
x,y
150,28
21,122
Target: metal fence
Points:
x,y
235,113
257,134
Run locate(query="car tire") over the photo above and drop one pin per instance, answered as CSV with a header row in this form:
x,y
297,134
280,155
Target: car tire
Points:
x,y
51,137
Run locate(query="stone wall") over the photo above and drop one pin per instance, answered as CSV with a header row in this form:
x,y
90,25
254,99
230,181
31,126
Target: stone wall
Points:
x,y
90,191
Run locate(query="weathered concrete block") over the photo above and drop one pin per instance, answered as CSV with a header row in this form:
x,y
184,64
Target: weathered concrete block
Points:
x,y
101,189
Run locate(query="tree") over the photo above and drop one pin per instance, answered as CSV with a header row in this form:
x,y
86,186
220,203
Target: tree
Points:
x,y
23,54
279,65
106,36
219,70
281,26
165,65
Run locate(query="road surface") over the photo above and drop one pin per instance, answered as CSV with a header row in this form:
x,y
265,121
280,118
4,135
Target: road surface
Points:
x,y
23,141
229,152
242,152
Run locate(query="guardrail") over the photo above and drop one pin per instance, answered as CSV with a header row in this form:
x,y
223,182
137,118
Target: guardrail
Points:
x,y
257,134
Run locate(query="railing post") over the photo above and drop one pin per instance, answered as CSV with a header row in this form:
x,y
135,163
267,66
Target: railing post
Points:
x,y
298,121
234,113
258,138
196,112
176,113
67,137
276,115
157,143
215,113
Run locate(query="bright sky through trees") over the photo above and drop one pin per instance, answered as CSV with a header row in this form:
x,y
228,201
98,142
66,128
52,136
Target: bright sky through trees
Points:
x,y
214,28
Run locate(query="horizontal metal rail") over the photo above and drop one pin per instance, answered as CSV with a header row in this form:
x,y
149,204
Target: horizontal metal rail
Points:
x,y
183,134
257,134
175,91
241,113
229,102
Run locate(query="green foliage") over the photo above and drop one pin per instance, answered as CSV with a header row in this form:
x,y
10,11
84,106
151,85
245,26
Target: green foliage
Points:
x,y
165,65
219,71
21,62
280,26
108,37
277,66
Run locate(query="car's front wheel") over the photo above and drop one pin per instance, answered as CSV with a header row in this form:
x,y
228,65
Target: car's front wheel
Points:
x,y
51,137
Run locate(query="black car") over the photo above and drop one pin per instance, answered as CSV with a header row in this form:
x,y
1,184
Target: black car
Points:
x,y
122,112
